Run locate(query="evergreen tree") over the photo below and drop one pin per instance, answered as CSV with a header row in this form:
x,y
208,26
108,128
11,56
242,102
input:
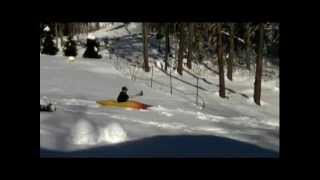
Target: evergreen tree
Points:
x,y
49,47
70,48
92,48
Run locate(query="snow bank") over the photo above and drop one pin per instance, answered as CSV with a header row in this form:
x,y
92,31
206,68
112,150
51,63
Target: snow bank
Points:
x,y
271,122
251,101
167,114
83,133
112,133
201,116
212,130
79,102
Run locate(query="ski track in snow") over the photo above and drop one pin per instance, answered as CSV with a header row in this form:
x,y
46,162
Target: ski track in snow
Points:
x,y
243,121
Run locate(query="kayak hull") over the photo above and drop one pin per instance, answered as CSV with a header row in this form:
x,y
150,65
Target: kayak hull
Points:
x,y
128,104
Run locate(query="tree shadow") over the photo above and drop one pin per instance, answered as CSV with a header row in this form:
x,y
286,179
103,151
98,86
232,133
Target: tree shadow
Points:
x,y
181,80
206,66
127,46
177,146
211,83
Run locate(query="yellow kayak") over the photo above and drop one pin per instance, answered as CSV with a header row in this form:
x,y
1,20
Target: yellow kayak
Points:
x,y
128,104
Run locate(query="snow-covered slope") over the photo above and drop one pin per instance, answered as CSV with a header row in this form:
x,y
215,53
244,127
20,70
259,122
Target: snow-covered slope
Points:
x,y
79,123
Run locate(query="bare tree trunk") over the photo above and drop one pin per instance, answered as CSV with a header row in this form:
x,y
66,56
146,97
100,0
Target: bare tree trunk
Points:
x,y
248,43
145,47
231,53
176,48
181,50
72,29
190,48
78,31
151,75
97,26
56,34
222,91
61,27
87,29
170,81
197,94
167,47
69,32
257,83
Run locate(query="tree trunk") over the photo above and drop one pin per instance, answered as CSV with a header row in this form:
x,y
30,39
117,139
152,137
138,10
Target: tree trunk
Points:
x,y
190,48
176,39
170,81
56,34
145,47
87,29
248,43
167,47
181,50
257,83
222,91
61,28
231,53
97,26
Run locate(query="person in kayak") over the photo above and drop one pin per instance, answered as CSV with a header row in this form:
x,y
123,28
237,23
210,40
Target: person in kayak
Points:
x,y
123,96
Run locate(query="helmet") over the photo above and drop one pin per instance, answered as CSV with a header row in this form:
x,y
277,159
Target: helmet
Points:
x,y
124,88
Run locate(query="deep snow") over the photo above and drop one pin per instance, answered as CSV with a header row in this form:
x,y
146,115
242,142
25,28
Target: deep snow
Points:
x,y
79,123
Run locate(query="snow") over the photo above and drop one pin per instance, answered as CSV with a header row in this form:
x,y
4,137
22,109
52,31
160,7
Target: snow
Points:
x,y
46,28
79,123
91,36
112,133
238,38
83,133
251,101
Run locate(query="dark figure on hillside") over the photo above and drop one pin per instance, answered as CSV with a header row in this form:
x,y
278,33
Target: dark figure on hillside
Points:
x,y
92,48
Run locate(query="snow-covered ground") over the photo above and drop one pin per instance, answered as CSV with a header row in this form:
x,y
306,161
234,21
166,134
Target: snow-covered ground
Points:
x,y
79,123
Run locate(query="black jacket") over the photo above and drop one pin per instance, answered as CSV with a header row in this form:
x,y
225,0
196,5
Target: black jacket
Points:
x,y
123,97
